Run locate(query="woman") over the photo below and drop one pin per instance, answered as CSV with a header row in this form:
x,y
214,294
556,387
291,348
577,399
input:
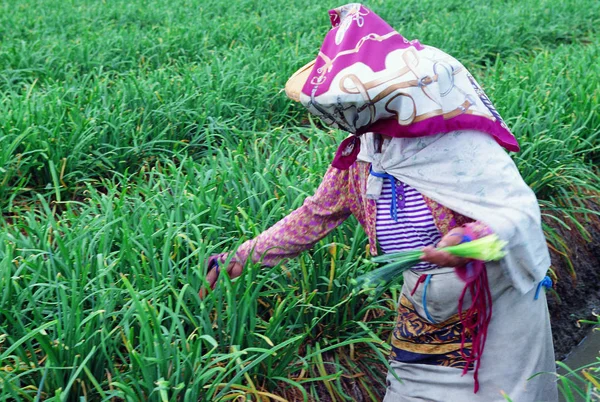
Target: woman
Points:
x,y
424,167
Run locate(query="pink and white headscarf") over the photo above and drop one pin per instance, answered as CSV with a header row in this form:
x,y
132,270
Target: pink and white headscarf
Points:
x,y
369,78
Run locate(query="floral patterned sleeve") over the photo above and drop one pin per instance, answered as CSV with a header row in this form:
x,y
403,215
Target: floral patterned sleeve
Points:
x,y
301,229
446,220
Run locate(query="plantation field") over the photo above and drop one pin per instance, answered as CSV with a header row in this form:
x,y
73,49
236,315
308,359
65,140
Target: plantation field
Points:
x,y
137,138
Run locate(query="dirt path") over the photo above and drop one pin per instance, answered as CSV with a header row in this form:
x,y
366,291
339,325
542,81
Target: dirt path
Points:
x,y
579,298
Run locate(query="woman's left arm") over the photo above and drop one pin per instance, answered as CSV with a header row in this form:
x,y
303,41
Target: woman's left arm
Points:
x,y
449,224
302,228
298,231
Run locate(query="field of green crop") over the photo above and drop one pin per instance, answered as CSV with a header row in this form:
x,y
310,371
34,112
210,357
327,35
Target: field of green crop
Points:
x,y
139,137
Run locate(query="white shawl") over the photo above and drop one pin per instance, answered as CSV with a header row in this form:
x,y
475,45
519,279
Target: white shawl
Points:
x,y
468,172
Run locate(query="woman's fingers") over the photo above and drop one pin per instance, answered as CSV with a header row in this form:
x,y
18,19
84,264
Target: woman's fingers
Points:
x,y
452,238
233,270
212,277
442,258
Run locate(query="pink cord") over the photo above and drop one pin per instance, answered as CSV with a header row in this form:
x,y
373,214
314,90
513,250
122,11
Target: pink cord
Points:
x,y
476,319
419,281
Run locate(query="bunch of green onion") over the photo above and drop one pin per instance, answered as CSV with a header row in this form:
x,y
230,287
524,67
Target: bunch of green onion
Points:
x,y
488,248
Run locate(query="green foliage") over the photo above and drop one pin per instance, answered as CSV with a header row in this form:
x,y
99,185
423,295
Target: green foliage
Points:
x,y
581,383
138,138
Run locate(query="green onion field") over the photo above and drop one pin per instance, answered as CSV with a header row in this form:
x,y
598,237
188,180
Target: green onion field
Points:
x,y
137,138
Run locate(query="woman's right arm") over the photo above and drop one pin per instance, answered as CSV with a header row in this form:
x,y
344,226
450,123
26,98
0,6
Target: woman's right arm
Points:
x,y
298,231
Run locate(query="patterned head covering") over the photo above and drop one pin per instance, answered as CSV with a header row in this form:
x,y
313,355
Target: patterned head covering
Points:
x,y
369,78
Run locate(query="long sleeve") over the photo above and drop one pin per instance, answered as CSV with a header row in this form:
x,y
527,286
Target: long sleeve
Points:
x,y
301,229
446,219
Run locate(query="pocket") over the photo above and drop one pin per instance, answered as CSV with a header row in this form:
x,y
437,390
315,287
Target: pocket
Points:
x,y
435,298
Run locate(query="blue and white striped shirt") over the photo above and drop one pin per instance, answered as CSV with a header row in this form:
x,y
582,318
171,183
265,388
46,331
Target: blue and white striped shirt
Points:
x,y
415,227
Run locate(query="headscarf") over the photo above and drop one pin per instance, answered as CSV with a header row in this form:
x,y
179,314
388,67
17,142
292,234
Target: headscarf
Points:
x,y
369,78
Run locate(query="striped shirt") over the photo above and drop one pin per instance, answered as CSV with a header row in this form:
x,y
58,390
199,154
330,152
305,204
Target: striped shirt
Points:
x,y
415,227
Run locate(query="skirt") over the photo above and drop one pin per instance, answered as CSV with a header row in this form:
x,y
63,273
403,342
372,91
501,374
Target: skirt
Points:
x,y
518,359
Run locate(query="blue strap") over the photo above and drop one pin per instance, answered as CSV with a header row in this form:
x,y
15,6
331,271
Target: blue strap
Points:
x,y
546,282
464,238
427,280
214,265
394,206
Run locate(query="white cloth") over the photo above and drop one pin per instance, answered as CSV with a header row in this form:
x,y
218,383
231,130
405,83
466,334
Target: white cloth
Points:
x,y
518,358
468,172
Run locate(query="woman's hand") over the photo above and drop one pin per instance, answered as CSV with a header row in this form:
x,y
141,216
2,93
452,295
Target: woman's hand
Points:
x,y
234,269
444,258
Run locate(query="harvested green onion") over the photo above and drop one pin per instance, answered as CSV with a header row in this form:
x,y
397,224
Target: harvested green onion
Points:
x,y
488,248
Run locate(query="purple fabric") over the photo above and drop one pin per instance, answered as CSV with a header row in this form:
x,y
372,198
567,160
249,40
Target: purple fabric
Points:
x,y
375,49
347,153
369,78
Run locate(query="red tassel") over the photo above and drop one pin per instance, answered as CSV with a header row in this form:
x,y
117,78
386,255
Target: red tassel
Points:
x,y
476,319
421,279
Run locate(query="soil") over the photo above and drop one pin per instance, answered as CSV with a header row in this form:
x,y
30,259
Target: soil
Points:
x,y
579,297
